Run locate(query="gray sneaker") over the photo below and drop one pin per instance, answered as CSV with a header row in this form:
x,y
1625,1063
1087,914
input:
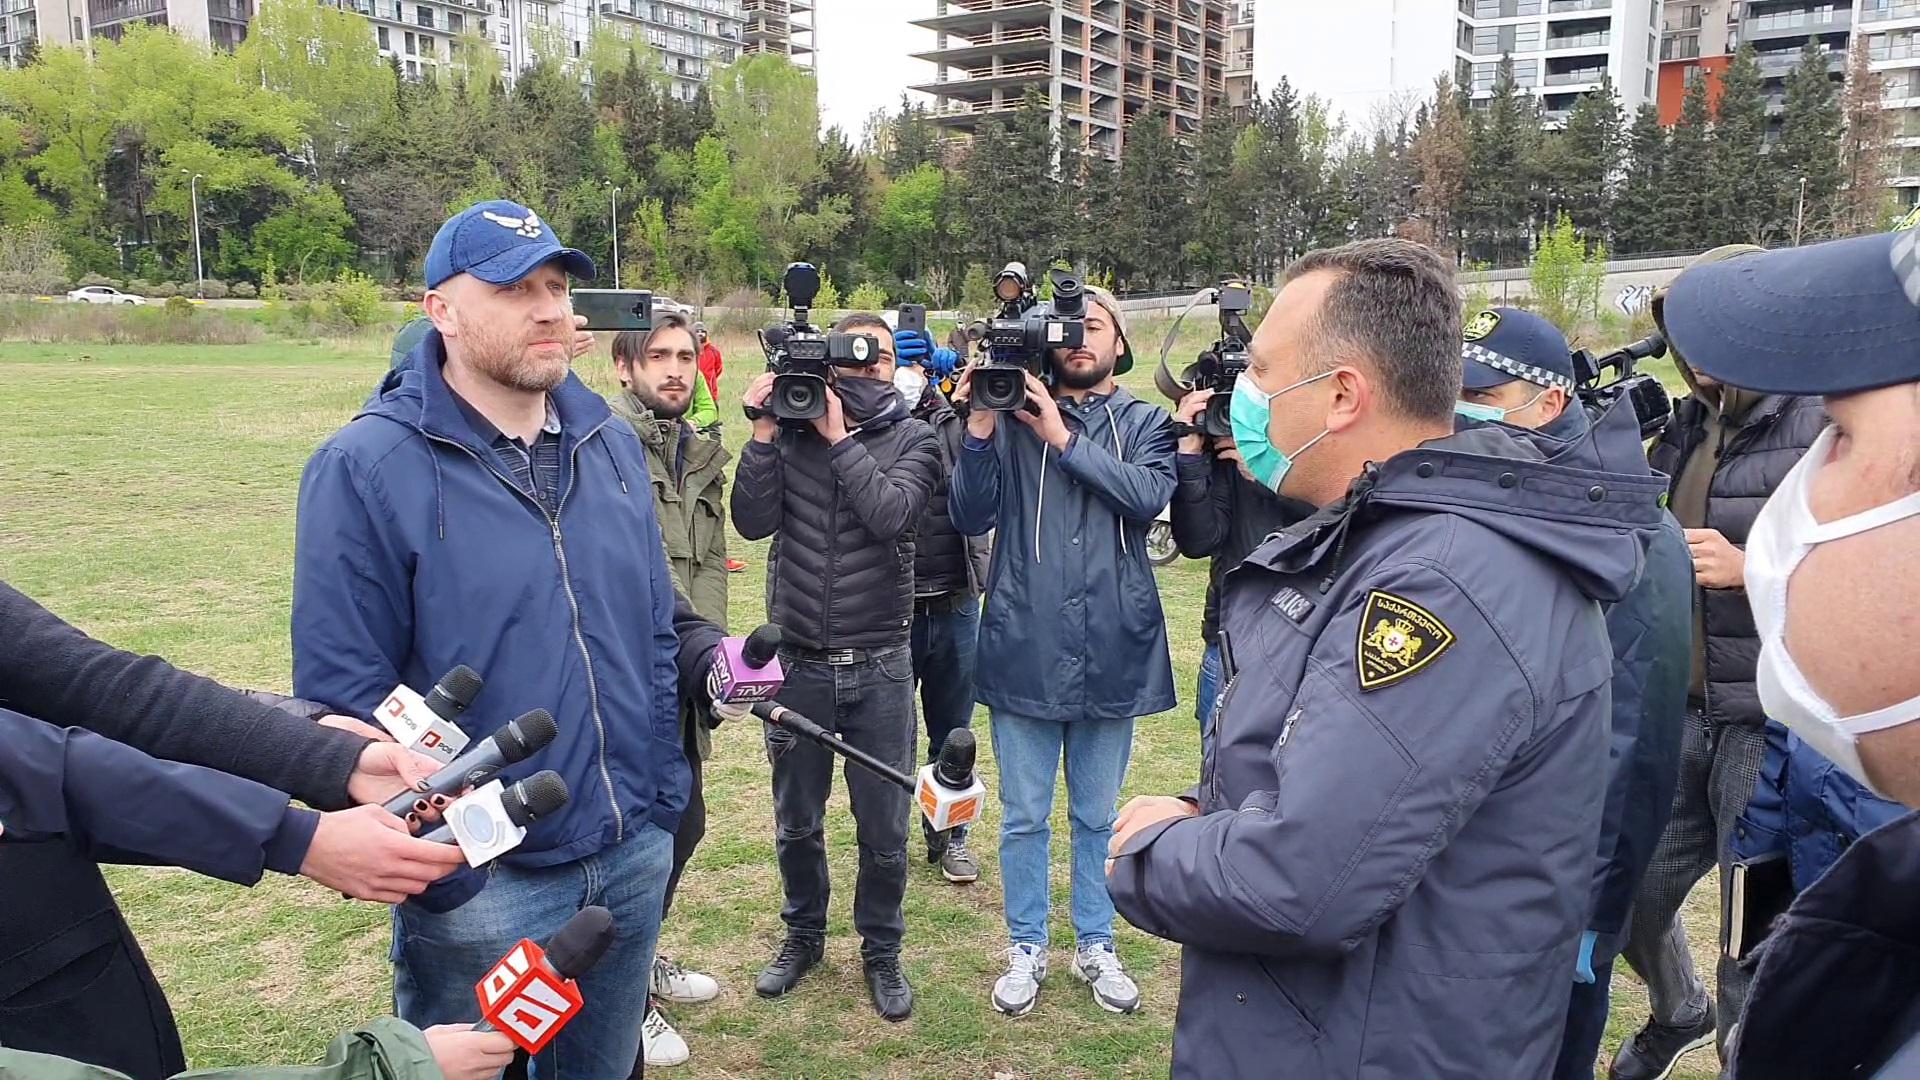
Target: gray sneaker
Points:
x,y
1099,967
956,863
1019,988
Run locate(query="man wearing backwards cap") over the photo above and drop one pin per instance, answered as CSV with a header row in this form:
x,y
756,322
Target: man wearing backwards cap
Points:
x,y
1833,574
1516,368
486,508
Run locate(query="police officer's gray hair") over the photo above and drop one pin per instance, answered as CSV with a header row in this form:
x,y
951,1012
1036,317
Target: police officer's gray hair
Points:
x,y
630,346
1397,303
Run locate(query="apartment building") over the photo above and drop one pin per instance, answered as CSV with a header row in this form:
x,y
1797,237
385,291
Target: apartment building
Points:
x,y
27,25
1240,85
1098,63
1364,56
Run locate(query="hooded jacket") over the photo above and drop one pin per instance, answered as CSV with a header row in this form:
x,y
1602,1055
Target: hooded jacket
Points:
x,y
415,552
1648,630
840,573
945,561
1769,440
1072,626
1390,866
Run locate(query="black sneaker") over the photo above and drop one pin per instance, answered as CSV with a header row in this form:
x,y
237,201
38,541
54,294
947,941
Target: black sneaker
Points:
x,y
1656,1048
797,956
892,997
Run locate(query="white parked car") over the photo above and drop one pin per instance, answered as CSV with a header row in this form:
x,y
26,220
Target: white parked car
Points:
x,y
103,294
663,305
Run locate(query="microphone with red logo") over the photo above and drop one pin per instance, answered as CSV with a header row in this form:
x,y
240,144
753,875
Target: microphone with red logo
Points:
x,y
426,724
531,993
518,740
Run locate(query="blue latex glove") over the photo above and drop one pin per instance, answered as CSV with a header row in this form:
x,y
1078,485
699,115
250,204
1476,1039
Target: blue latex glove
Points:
x,y
942,363
911,346
1583,967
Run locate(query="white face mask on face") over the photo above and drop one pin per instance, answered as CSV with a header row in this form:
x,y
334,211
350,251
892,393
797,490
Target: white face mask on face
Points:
x,y
1782,536
911,382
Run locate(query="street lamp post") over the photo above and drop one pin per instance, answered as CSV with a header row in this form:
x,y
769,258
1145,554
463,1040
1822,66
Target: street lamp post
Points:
x,y
199,271
1800,212
614,191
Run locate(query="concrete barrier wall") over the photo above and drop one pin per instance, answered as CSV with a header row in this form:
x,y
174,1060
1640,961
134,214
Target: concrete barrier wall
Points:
x,y
1628,286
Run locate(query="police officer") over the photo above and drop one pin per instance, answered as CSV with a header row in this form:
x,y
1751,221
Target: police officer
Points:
x,y
1384,870
1833,574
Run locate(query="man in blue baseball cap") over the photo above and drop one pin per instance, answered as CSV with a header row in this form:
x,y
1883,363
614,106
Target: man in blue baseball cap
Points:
x,y
1516,368
1832,571
486,508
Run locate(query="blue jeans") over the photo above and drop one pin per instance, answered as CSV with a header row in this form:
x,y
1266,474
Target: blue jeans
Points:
x,y
1207,694
944,644
1029,753
437,959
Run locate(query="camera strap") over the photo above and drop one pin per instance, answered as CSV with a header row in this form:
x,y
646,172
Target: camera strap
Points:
x,y
1163,378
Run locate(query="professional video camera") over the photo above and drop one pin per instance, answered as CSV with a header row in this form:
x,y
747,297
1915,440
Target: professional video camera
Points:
x,y
1650,401
799,354
1019,339
1219,366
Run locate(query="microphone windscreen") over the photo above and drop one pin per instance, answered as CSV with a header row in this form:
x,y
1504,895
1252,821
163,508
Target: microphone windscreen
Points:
x,y
530,732
457,688
534,798
957,755
762,644
577,946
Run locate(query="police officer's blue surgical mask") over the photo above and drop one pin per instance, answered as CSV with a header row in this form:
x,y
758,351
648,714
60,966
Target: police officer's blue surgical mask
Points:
x,y
1494,413
1250,411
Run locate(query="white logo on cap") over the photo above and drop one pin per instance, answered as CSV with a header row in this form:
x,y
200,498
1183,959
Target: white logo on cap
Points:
x,y
528,226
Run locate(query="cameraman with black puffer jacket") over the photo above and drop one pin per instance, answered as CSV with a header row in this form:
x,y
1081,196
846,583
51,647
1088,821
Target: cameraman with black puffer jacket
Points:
x,y
841,500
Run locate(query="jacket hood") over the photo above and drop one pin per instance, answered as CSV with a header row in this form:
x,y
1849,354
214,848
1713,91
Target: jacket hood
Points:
x,y
1581,501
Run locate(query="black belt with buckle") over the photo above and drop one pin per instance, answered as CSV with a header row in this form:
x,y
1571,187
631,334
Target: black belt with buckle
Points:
x,y
836,657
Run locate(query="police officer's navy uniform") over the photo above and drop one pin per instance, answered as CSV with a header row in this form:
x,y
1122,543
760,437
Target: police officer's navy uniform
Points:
x,y
1402,789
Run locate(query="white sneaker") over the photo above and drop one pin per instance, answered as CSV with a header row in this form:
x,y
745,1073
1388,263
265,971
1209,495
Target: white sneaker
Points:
x,y
1017,990
680,986
1099,967
663,1046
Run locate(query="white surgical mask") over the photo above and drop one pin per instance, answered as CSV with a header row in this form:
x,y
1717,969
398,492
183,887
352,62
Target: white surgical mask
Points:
x,y
1782,535
911,382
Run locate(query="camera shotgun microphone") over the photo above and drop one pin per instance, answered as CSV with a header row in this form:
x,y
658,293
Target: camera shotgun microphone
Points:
x,y
949,793
427,723
531,994
780,716
493,819
519,739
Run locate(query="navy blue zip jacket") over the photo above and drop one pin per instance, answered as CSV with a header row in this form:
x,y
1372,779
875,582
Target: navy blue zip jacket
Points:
x,y
415,553
115,804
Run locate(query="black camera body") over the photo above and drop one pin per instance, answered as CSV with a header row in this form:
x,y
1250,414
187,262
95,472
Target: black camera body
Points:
x,y
799,354
1020,338
1225,360
1651,405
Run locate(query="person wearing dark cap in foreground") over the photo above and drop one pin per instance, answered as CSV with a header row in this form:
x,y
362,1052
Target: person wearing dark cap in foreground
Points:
x,y
1833,574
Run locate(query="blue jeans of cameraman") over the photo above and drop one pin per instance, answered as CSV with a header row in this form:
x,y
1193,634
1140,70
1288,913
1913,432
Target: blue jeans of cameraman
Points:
x,y
946,631
1208,691
437,958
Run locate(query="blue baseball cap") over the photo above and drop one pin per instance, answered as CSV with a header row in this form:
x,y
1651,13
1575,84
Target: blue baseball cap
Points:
x,y
498,242
1500,345
1829,318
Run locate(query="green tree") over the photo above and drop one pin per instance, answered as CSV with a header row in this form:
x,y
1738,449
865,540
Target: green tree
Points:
x,y
976,290
1440,154
1566,277
1636,215
767,115
1223,206
1863,203
1684,203
321,57
1739,204
908,223
1501,185
1150,222
1811,132
308,238
1579,164
867,297
65,117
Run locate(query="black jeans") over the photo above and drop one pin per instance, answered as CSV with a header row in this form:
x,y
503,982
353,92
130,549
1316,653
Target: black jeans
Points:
x,y
693,826
869,705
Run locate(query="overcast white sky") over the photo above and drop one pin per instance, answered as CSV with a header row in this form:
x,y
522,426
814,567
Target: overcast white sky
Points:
x,y
862,58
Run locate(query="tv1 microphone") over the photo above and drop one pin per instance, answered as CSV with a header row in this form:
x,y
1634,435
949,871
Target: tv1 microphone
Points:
x,y
949,793
515,742
426,724
745,670
531,994
493,819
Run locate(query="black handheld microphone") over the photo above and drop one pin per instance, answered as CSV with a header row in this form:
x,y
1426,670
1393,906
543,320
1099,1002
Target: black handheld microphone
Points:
x,y
454,692
762,645
571,952
520,804
515,742
957,753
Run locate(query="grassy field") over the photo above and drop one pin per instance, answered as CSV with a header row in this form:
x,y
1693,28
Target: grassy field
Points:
x,y
147,493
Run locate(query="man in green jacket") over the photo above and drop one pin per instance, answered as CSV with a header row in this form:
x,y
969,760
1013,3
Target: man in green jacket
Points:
x,y
385,1049
659,377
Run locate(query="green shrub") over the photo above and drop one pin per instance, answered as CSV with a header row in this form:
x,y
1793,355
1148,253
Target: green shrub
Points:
x,y
868,297
163,290
116,324
356,298
179,307
213,289
243,290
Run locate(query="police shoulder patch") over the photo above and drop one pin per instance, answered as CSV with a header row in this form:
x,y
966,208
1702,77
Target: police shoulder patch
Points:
x,y
1480,326
1397,637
